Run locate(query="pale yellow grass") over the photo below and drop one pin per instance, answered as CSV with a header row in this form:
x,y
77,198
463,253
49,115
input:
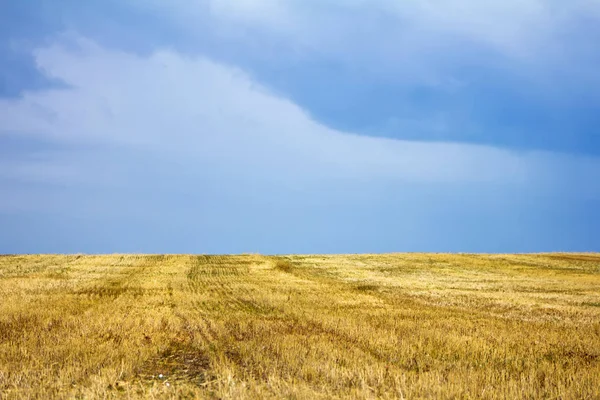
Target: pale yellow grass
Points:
x,y
306,327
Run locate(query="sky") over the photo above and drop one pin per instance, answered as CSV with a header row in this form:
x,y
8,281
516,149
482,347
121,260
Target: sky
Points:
x,y
277,127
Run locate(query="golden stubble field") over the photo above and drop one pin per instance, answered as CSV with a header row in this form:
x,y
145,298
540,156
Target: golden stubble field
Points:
x,y
305,327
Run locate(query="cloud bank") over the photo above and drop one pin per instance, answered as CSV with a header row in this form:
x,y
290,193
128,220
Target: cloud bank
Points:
x,y
198,111
168,139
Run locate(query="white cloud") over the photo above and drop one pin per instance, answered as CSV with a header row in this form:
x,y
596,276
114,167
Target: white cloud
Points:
x,y
410,42
502,23
213,119
507,24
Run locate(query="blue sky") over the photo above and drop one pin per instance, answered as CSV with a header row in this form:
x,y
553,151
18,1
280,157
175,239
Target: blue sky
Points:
x,y
222,126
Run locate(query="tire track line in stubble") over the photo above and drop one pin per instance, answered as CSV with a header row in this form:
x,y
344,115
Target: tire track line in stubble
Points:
x,y
225,278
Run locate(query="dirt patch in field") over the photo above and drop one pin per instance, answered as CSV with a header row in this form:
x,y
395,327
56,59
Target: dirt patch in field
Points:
x,y
367,288
179,362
